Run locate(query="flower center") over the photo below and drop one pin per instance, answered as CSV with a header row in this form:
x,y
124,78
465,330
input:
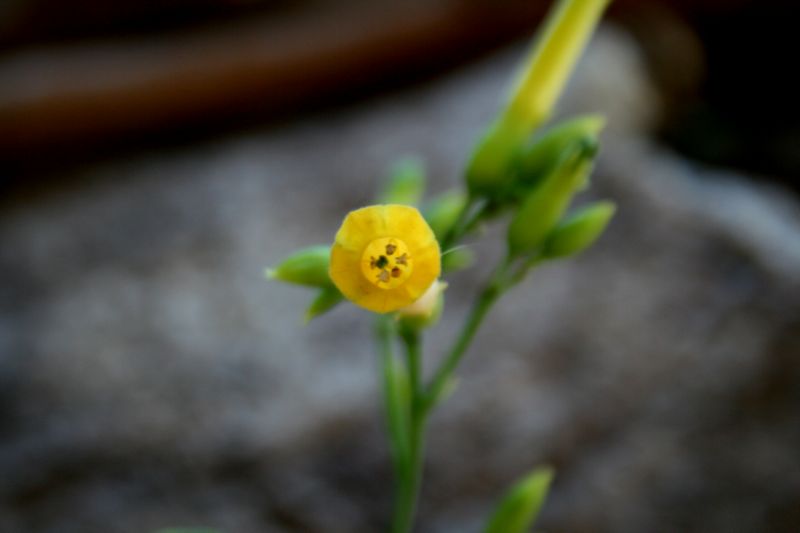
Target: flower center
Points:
x,y
386,262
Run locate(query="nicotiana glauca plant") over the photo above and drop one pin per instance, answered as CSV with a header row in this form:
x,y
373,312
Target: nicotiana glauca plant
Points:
x,y
389,258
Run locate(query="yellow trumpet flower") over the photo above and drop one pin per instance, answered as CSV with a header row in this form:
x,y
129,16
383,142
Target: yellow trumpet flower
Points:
x,y
384,257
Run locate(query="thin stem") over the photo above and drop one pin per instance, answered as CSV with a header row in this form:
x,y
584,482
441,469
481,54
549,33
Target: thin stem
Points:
x,y
453,233
467,220
396,425
472,222
491,292
412,478
412,343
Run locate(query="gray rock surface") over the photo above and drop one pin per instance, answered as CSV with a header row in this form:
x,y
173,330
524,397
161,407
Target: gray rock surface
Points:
x,y
149,376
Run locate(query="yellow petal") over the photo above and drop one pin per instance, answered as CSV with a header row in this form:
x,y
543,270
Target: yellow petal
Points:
x,y
377,277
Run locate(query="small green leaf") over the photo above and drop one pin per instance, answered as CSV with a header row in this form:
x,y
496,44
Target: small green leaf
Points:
x,y
520,506
579,231
327,298
406,183
308,266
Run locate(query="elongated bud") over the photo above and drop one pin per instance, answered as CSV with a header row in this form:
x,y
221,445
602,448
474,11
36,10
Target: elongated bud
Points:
x,y
566,32
327,298
406,183
443,211
545,152
543,207
579,231
519,508
538,85
308,266
425,312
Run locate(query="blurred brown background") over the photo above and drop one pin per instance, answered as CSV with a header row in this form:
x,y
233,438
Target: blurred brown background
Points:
x,y
156,155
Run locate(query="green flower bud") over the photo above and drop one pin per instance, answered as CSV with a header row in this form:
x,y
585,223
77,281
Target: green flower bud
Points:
x,y
579,231
545,152
543,207
520,507
406,183
443,211
327,298
490,169
308,266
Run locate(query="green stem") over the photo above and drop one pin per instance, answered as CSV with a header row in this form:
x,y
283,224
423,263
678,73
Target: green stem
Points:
x,y
407,414
411,479
453,233
392,397
467,220
488,296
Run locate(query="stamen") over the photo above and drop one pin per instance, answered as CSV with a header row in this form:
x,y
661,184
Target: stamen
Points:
x,y
387,263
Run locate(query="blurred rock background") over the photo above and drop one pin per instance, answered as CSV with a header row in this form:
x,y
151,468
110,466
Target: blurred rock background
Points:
x,y
157,155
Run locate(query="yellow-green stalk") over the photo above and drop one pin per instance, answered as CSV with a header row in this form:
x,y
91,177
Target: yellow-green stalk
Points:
x,y
566,33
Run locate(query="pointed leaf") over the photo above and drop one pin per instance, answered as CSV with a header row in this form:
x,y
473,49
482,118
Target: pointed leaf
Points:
x,y
308,266
518,510
327,298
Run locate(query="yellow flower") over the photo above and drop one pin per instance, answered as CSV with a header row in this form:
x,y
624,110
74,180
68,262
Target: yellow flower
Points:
x,y
384,257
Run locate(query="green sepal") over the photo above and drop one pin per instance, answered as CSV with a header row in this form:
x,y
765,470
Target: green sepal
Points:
x,y
578,231
541,157
520,506
543,207
308,266
490,167
405,184
443,211
327,298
